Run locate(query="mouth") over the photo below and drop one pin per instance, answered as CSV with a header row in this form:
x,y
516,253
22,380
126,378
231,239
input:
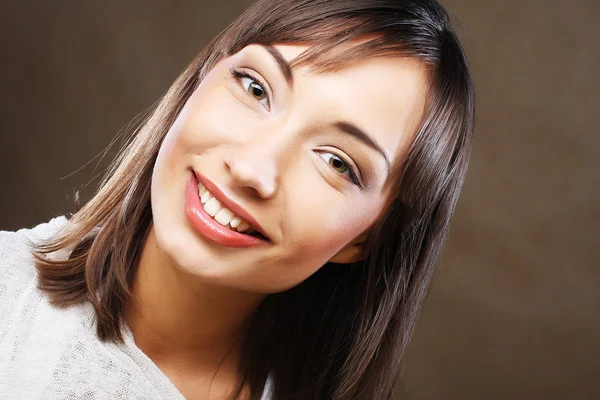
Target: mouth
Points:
x,y
223,215
219,218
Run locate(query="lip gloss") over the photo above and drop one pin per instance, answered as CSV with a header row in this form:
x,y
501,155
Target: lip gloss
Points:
x,y
207,226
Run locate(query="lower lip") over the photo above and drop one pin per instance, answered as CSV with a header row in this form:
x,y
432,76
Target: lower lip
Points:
x,y
210,228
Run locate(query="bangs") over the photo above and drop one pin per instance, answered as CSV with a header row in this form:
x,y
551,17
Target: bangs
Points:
x,y
384,31
323,56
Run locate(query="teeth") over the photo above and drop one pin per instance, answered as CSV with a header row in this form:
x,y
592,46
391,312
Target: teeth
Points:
x,y
235,221
243,226
201,190
205,197
212,206
222,215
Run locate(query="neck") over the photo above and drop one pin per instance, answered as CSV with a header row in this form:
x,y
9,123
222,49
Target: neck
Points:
x,y
178,319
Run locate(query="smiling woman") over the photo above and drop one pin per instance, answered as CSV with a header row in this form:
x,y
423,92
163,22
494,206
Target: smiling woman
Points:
x,y
270,231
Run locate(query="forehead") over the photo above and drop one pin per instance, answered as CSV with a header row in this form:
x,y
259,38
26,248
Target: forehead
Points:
x,y
384,96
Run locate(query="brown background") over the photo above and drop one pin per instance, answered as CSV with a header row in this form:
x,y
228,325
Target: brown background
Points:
x,y
514,310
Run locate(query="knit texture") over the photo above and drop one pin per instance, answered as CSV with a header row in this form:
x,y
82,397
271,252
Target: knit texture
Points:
x,y
53,353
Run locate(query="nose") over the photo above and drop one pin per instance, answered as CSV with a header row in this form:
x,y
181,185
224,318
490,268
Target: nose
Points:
x,y
254,165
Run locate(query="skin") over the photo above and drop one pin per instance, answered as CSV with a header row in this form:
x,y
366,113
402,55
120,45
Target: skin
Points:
x,y
193,296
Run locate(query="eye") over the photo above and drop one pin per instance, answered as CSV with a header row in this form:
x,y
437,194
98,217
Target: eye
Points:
x,y
254,86
340,165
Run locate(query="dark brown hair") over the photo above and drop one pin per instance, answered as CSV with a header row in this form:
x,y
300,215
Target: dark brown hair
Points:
x,y
343,332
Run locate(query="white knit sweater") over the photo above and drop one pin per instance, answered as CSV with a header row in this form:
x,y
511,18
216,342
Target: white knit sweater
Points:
x,y
50,353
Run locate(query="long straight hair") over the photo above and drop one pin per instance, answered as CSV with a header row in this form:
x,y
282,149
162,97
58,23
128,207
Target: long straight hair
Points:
x,y
342,333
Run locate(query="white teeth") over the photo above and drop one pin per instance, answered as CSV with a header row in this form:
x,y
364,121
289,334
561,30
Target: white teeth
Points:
x,y
205,197
212,206
224,216
235,221
242,227
201,189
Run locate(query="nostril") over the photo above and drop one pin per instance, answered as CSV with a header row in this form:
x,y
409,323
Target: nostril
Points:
x,y
255,192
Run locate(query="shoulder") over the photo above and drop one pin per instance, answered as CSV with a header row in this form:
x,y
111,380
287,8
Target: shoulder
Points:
x,y
15,245
17,263
11,239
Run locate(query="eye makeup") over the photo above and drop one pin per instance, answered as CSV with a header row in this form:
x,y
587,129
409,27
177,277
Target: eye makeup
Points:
x,y
239,74
354,175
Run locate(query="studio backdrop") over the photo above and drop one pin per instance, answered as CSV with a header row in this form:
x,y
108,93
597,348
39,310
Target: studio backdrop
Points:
x,y
515,305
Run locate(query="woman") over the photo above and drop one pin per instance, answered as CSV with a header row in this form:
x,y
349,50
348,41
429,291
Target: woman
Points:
x,y
269,232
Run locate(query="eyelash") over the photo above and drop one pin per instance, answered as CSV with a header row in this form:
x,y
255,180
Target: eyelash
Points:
x,y
351,170
243,74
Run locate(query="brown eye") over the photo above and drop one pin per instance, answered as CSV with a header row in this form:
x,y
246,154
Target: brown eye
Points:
x,y
338,164
257,91
254,88
342,166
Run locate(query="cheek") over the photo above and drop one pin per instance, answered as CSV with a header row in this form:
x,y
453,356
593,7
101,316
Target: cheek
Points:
x,y
206,119
197,128
322,225
317,231
202,123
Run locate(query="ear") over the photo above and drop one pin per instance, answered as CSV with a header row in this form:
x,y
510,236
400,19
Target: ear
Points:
x,y
352,252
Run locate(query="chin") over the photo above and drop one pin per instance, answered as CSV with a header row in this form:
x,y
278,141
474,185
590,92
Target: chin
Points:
x,y
179,245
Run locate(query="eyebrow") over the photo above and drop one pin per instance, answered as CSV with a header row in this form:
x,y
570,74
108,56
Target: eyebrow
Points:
x,y
343,126
282,63
354,131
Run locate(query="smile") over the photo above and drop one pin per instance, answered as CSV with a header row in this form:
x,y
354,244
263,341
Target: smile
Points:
x,y
221,214
210,212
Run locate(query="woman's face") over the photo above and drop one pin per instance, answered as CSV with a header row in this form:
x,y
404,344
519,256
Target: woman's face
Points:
x,y
305,155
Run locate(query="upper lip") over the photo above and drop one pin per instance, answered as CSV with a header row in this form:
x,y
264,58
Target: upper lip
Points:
x,y
229,203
